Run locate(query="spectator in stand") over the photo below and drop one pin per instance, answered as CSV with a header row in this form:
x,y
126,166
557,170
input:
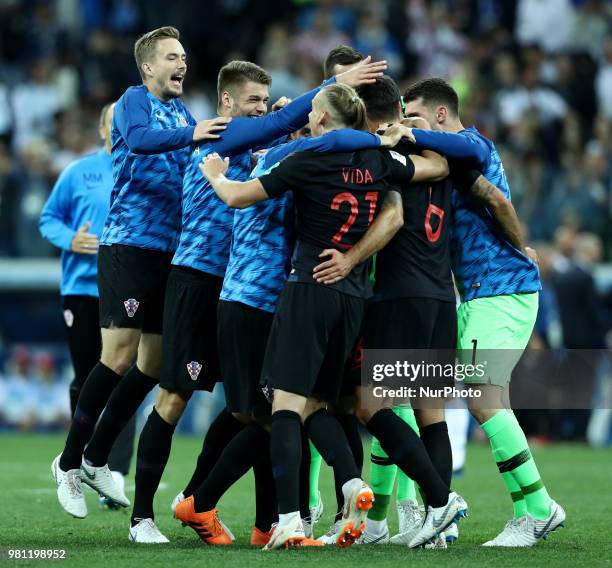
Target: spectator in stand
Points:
x,y
312,45
52,405
34,105
19,398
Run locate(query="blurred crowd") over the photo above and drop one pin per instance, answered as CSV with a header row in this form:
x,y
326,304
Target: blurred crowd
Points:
x,y
534,75
34,390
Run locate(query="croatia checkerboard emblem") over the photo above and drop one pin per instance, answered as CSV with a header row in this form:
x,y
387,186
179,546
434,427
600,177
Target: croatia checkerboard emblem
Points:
x,y
131,305
68,317
194,368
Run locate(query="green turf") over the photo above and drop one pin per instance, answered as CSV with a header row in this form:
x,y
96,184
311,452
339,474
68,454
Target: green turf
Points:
x,y
30,517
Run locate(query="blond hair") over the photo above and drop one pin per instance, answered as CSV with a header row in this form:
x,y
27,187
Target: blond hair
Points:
x,y
345,106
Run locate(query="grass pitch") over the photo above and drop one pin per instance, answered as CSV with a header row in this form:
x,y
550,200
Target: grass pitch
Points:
x,y
30,517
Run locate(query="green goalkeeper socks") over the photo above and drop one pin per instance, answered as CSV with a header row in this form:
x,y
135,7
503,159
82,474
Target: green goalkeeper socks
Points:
x,y
406,488
315,470
382,480
517,466
383,473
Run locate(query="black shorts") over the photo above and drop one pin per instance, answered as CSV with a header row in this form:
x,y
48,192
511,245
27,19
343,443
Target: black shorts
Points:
x,y
81,315
132,285
243,335
313,332
415,324
351,378
190,359
410,323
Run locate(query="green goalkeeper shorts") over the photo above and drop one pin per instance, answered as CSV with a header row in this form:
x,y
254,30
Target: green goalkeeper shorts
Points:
x,y
494,332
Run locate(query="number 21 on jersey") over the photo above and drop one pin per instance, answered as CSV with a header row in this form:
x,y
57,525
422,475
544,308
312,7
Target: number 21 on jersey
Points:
x,y
347,197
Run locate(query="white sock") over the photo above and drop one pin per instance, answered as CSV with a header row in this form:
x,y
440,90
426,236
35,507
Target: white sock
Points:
x,y
376,527
458,421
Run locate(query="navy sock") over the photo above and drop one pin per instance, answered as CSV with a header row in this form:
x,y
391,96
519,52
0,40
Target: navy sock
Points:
x,y
153,452
93,398
122,405
220,433
239,456
406,450
437,443
286,456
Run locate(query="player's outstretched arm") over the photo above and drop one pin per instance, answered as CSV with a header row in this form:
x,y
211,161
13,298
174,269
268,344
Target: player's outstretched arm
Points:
x,y
235,194
452,145
502,209
132,119
339,265
431,166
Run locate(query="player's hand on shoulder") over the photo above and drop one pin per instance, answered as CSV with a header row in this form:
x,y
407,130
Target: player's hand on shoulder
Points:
x,y
84,242
363,73
280,103
336,268
393,133
416,122
206,129
213,166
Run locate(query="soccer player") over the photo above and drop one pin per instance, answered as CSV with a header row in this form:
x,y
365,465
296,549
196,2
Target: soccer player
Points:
x,y
422,278
340,59
151,136
303,375
260,257
498,283
189,347
72,219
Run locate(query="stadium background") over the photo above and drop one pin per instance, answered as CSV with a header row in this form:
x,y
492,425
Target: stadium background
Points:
x,y
534,75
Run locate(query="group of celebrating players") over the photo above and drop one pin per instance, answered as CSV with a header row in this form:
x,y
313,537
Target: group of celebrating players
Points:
x,y
238,249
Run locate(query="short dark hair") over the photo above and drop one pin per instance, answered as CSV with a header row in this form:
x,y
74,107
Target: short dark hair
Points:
x,y
381,99
237,73
341,55
145,45
434,92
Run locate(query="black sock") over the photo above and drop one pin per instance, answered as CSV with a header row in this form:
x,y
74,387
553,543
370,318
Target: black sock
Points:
x,y
329,439
121,406
305,476
286,455
93,397
220,433
266,508
153,453
350,426
238,457
74,392
437,443
406,450
120,456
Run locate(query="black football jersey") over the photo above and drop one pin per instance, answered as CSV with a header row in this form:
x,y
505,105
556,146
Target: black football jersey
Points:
x,y
337,195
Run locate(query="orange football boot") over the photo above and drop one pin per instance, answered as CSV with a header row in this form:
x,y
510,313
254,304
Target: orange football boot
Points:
x,y
207,524
260,538
360,501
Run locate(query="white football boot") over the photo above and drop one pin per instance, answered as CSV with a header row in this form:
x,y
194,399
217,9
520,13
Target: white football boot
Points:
x,y
101,480
69,490
438,519
146,532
